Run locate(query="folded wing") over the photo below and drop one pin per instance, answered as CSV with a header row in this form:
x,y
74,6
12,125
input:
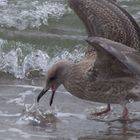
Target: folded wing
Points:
x,y
114,58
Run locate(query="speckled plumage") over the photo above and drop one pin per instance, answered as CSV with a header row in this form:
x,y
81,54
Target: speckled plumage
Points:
x,y
108,75
87,80
104,18
105,91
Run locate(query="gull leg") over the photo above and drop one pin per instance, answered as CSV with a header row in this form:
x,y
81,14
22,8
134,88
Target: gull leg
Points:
x,y
125,115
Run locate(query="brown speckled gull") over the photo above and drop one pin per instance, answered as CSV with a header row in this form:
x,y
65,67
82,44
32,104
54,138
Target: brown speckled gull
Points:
x,y
101,80
109,75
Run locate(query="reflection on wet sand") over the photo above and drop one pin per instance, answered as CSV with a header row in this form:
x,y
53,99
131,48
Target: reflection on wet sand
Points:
x,y
124,132
104,138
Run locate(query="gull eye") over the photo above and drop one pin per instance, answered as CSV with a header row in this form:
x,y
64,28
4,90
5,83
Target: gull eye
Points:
x,y
52,78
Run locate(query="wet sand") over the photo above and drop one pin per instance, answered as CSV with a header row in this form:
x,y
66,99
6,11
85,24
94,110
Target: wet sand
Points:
x,y
68,118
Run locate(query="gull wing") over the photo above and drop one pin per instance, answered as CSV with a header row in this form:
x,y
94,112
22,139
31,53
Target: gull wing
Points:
x,y
105,18
113,57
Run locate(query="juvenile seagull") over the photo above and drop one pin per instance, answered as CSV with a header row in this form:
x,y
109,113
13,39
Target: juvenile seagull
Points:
x,y
109,78
103,73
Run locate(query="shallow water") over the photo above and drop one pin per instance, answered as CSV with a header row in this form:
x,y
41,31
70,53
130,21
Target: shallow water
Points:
x,y
34,35
22,118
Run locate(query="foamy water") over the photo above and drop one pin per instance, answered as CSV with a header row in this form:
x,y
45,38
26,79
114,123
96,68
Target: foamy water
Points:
x,y
23,14
35,63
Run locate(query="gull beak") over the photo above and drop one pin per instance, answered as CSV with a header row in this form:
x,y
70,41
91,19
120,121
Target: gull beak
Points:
x,y
52,97
42,93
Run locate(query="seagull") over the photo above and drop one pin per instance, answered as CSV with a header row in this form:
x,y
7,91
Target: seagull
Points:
x,y
110,74
111,77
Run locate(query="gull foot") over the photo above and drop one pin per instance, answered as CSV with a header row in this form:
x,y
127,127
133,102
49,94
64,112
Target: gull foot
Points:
x,y
96,114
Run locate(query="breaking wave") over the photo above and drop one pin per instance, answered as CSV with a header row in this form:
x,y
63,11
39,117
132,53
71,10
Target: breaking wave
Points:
x,y
23,61
23,14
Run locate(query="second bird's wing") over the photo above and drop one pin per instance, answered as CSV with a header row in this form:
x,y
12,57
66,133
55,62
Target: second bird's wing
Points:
x,y
105,18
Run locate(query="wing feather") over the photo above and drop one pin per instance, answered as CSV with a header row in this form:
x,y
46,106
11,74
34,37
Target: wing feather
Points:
x,y
105,18
109,51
